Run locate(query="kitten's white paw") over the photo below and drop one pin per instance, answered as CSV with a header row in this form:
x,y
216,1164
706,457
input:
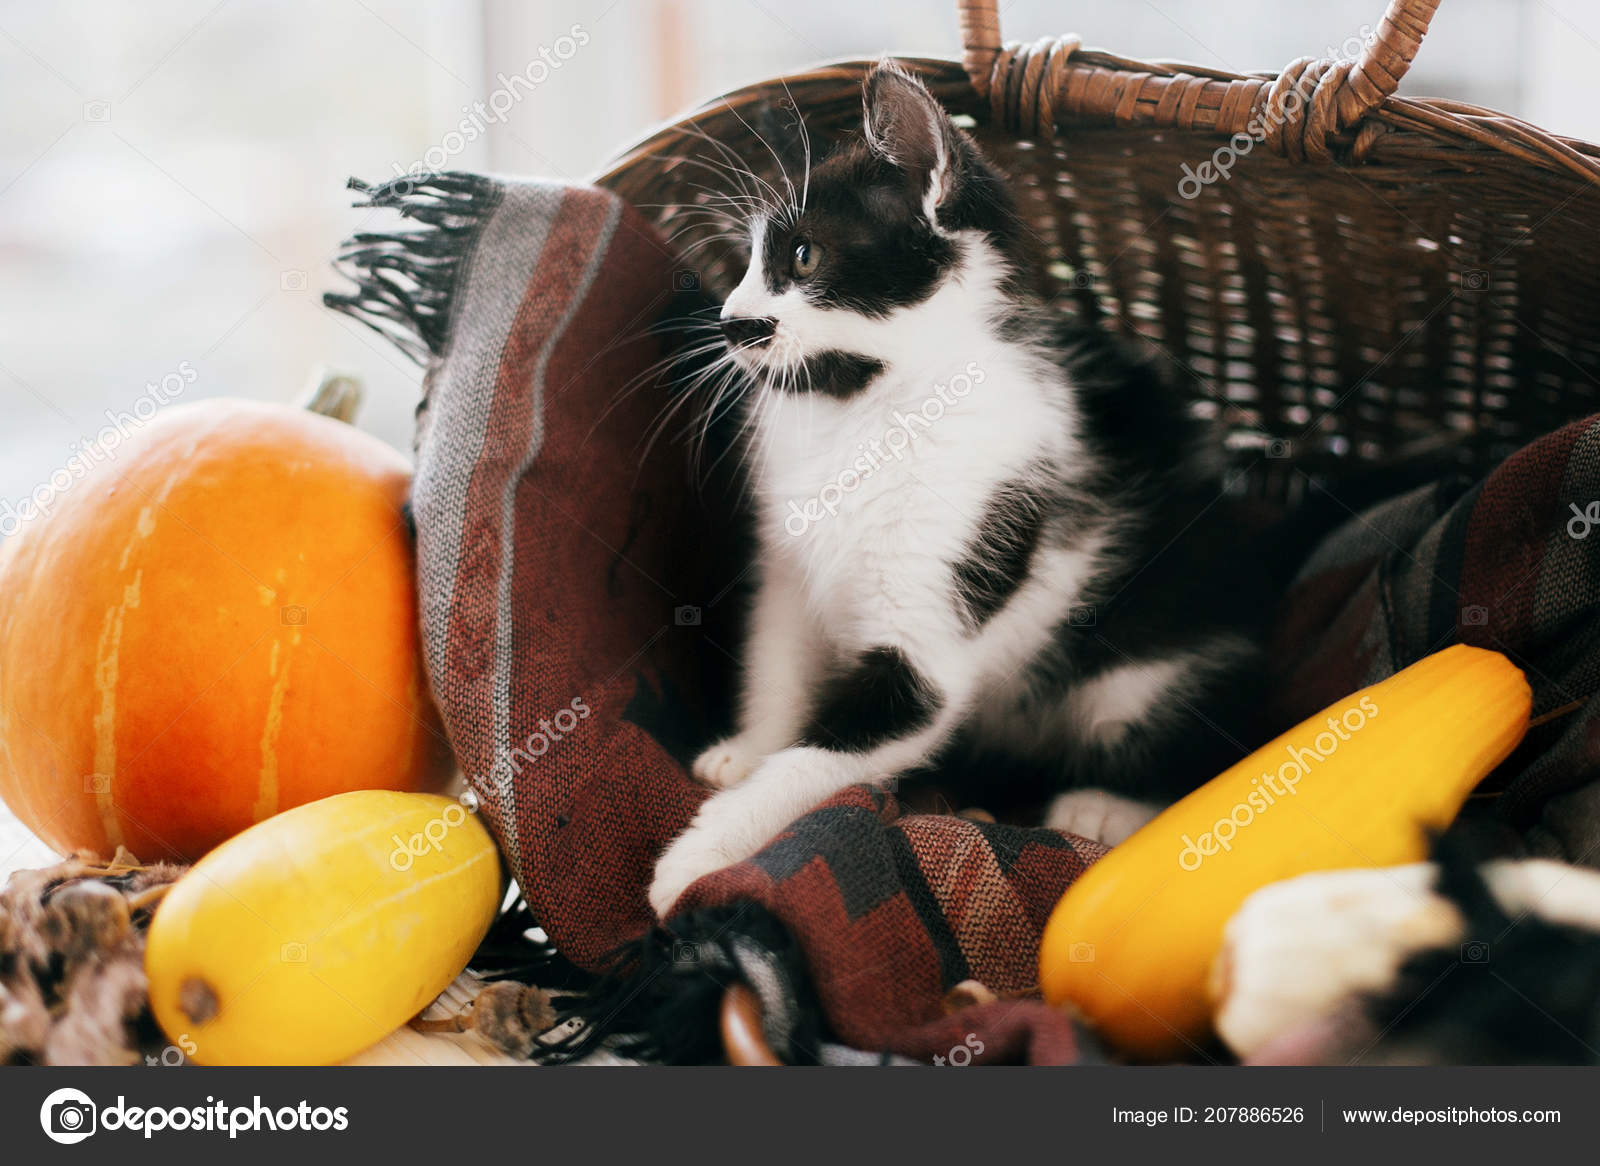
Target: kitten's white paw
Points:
x,y
727,829
696,852
726,763
1099,815
734,824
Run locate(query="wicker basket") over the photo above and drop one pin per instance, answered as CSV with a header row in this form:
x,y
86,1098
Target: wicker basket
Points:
x,y
1372,275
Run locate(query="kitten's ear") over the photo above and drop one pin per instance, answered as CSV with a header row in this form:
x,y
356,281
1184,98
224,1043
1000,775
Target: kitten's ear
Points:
x,y
905,125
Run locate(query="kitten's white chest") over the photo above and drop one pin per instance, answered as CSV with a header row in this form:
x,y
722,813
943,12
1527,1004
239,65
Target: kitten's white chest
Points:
x,y
873,499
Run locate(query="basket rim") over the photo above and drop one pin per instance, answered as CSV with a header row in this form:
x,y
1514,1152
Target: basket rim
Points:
x,y
1456,123
837,70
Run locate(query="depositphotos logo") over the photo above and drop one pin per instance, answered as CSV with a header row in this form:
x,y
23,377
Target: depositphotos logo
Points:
x,y
69,1116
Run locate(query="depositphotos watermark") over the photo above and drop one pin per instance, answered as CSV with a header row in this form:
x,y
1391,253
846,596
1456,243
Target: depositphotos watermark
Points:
x,y
173,1056
878,452
1270,787
431,837
551,730
91,451
1582,521
1219,168
961,1055
492,110
69,1116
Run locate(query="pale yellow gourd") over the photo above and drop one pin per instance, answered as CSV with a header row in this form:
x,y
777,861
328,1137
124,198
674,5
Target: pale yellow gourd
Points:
x,y
316,933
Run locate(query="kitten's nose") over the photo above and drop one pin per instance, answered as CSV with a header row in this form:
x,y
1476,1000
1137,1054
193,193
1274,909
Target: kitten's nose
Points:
x,y
749,331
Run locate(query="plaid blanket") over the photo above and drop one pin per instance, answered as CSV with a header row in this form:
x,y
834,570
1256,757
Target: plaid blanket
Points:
x,y
1505,562
581,601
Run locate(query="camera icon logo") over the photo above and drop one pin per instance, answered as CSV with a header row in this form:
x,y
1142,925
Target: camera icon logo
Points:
x,y
97,783
293,616
685,279
293,281
1080,953
685,953
1475,951
686,616
98,112
68,1116
1475,280
1280,448
1474,616
292,953
1083,616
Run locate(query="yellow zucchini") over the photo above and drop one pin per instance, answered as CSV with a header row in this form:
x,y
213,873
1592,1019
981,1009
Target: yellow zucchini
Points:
x,y
1359,784
319,931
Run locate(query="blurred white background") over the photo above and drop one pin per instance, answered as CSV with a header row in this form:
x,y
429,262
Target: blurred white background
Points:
x,y
171,172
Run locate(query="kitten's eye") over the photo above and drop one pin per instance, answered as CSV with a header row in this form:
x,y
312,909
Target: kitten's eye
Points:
x,y
807,255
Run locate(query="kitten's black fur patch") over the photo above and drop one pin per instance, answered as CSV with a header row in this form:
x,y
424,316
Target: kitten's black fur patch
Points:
x,y
865,211
1188,570
834,374
877,254
997,559
879,699
1515,992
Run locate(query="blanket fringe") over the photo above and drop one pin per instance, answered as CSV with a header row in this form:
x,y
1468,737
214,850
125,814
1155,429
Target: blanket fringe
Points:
x,y
406,280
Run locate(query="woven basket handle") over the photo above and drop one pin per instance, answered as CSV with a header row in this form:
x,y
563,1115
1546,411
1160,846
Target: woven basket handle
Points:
x,y
1375,74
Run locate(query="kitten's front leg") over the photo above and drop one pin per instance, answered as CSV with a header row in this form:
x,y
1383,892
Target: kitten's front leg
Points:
x,y
783,660
880,718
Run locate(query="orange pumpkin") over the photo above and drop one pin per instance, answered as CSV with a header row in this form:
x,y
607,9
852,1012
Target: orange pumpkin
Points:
x,y
217,624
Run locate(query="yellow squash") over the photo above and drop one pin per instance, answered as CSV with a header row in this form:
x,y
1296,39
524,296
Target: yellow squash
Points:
x,y
1359,784
319,931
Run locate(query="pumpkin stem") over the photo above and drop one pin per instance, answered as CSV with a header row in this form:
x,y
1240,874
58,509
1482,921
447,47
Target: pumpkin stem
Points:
x,y
332,393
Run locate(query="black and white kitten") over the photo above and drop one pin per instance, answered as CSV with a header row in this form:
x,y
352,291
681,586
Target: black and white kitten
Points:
x,y
973,533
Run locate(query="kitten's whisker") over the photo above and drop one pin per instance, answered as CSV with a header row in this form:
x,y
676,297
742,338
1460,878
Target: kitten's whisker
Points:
x,y
774,403
728,392
727,151
722,223
687,212
731,156
659,425
735,166
685,393
695,248
747,490
702,222
805,141
704,317
734,377
711,341
747,198
700,237
782,170
731,163
651,375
